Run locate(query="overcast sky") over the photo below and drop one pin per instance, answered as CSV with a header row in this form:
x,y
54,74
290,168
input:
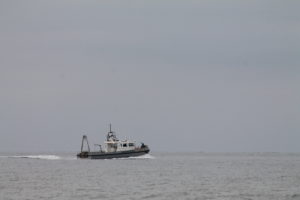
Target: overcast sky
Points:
x,y
195,75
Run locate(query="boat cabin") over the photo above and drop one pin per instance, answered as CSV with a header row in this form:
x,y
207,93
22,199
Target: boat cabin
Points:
x,y
114,146
112,143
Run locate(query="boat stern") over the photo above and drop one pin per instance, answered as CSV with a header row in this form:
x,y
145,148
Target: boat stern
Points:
x,y
83,154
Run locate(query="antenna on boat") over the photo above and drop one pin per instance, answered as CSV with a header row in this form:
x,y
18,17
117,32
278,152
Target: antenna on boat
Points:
x,y
111,135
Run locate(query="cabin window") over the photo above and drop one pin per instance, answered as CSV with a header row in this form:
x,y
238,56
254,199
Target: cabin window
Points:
x,y
131,144
124,145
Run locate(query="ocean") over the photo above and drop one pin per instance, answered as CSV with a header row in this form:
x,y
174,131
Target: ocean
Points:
x,y
190,176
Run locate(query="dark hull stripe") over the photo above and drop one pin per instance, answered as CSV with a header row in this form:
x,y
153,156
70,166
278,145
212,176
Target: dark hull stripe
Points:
x,y
126,154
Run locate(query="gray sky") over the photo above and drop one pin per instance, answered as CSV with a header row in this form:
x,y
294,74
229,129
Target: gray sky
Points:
x,y
177,75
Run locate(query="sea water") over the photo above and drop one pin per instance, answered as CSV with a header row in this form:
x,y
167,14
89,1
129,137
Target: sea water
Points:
x,y
262,176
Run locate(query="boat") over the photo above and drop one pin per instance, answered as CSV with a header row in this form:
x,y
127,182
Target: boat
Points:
x,y
113,148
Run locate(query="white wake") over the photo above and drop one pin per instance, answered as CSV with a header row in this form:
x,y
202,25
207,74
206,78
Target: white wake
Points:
x,y
43,157
146,156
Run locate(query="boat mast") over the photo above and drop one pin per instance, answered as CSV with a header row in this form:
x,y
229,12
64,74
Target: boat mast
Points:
x,y
110,135
84,138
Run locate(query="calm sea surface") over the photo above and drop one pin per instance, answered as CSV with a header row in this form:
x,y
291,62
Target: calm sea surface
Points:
x,y
157,176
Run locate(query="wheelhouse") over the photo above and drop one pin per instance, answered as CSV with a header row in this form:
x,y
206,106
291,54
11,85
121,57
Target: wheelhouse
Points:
x,y
113,146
